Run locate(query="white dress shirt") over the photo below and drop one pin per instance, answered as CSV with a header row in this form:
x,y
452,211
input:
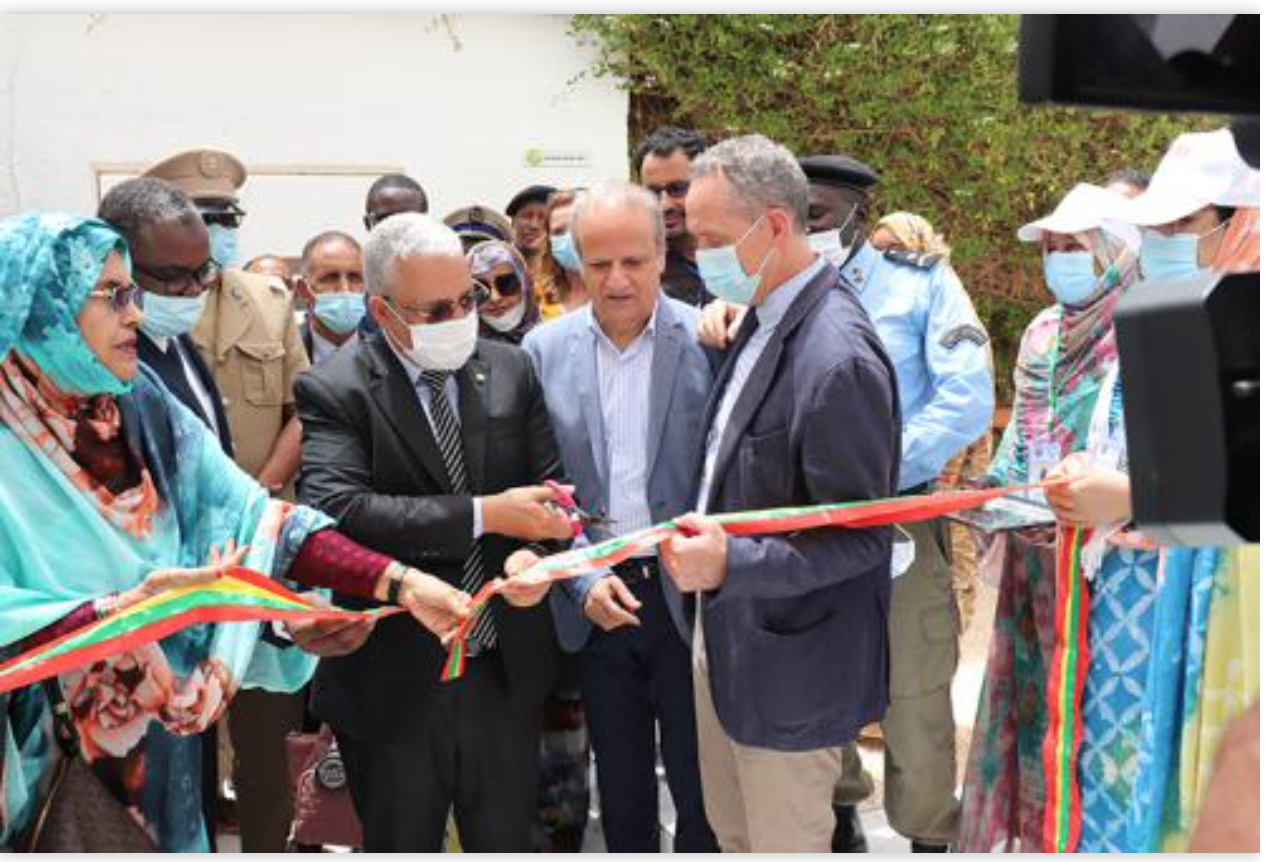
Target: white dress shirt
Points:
x,y
625,381
205,400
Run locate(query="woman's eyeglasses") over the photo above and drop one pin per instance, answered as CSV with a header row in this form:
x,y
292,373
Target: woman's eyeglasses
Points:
x,y
120,297
440,312
507,285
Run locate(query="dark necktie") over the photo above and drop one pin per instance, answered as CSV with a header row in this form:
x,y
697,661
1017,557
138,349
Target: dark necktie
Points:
x,y
449,439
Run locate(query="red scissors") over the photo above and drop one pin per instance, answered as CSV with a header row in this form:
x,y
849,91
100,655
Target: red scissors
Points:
x,y
580,517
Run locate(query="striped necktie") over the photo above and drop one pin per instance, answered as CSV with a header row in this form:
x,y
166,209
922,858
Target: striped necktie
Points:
x,y
449,439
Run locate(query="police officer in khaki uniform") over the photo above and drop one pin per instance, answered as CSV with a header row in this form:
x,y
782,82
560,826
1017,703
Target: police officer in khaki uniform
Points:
x,y
248,337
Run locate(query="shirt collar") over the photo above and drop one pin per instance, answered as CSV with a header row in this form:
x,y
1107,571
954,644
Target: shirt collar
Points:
x,y
321,342
648,333
161,342
778,301
858,269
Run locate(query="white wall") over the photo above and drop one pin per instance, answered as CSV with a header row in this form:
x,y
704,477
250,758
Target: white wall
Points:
x,y
456,101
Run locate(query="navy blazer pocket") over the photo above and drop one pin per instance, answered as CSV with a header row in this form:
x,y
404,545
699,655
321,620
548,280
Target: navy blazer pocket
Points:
x,y
764,471
798,676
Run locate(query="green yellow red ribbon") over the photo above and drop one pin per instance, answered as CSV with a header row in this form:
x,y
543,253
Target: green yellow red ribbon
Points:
x,y
603,555
240,595
1066,677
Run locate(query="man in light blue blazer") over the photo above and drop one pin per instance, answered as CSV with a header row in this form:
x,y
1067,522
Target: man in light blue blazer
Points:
x,y
626,385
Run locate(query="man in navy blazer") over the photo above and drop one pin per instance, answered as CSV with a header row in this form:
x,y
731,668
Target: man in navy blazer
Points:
x,y
626,385
790,656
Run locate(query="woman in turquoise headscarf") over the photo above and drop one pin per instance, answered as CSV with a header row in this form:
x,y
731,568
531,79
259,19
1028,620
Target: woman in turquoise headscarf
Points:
x,y
113,492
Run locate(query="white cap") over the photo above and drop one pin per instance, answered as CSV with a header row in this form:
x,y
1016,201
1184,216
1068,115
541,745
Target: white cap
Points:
x,y
1086,207
1200,169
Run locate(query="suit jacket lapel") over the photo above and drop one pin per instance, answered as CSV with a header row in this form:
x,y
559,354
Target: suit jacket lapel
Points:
x,y
473,410
763,375
583,360
396,396
667,353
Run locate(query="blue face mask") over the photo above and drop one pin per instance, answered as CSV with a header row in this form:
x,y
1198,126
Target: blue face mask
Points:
x,y
224,244
564,250
170,316
1070,276
1165,258
724,275
341,312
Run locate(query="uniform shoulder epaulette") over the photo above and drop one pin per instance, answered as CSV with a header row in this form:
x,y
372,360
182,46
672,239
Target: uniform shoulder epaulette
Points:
x,y
913,258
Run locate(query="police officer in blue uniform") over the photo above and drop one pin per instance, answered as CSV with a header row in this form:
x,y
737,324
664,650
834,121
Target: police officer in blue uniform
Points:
x,y
941,355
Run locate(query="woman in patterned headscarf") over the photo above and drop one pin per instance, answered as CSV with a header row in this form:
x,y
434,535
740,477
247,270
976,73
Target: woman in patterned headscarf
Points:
x,y
1064,356
511,309
113,492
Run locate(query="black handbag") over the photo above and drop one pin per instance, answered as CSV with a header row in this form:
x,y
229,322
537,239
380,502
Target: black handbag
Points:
x,y
78,813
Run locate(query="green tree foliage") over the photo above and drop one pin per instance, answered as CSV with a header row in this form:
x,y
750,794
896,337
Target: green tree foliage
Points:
x,y
928,100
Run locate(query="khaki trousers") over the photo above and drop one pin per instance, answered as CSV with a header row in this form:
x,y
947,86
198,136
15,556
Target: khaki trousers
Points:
x,y
758,800
919,726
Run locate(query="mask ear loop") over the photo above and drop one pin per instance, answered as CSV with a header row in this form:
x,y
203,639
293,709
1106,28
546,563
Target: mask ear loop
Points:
x,y
761,267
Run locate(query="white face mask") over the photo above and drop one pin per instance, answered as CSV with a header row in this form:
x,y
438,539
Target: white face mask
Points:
x,y
441,346
508,320
825,242
828,242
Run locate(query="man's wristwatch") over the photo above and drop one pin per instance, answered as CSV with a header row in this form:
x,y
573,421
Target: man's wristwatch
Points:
x,y
395,580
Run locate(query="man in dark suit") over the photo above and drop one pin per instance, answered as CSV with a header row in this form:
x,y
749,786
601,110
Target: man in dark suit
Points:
x,y
423,441
790,654
171,262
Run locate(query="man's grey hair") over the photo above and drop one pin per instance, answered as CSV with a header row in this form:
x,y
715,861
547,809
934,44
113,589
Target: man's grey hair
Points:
x,y
618,195
761,174
405,235
142,201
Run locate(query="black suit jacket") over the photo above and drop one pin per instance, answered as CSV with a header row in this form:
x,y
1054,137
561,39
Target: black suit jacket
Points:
x,y
170,371
370,460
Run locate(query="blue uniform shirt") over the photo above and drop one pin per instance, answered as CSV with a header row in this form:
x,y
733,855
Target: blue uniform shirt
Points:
x,y
940,353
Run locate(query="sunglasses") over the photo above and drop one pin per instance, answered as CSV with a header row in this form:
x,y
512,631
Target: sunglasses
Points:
x,y
119,298
440,312
177,281
676,189
506,285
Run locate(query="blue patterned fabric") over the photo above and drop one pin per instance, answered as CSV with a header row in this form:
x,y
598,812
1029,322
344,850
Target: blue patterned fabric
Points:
x,y
1120,634
1176,660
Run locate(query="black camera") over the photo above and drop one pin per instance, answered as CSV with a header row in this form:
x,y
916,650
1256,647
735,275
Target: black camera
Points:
x,y
1189,349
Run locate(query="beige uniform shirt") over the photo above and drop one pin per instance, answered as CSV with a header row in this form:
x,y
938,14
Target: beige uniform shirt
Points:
x,y
249,340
